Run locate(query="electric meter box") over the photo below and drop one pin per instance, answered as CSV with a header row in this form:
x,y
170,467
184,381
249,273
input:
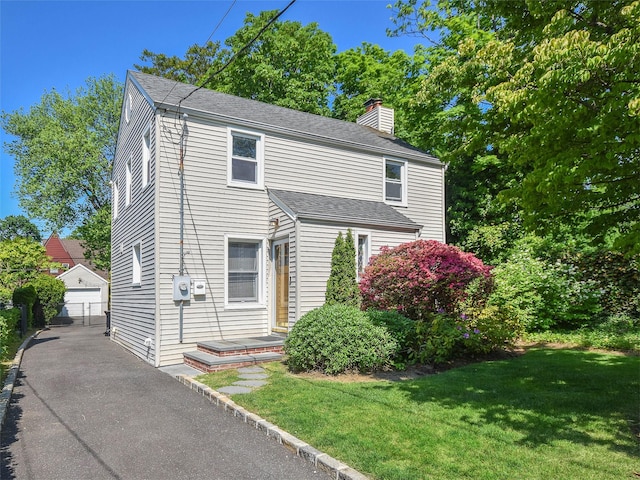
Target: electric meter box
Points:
x,y
181,288
199,288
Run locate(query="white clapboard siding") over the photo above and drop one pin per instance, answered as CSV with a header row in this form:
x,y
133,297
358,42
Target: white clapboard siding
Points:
x,y
211,211
133,306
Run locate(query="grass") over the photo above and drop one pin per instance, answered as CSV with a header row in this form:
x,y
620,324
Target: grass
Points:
x,y
12,349
547,414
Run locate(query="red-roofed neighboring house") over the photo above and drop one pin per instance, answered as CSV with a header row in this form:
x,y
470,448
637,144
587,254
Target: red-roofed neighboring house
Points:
x,y
69,252
87,292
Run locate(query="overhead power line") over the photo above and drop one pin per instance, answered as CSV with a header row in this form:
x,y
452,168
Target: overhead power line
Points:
x,y
240,52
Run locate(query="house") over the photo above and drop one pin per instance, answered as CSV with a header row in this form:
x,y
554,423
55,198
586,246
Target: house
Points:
x,y
87,295
226,210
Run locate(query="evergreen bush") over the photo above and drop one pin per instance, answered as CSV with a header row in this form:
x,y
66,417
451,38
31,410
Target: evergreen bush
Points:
x,y
337,338
402,330
342,286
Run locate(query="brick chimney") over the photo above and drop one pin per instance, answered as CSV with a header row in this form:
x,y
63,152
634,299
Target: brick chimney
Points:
x,y
376,116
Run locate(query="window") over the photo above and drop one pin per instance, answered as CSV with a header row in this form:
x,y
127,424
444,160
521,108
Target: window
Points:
x,y
116,194
244,272
395,182
362,253
146,157
136,270
128,106
245,166
128,179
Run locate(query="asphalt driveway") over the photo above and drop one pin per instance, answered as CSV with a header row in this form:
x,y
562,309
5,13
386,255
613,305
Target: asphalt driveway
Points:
x,y
84,408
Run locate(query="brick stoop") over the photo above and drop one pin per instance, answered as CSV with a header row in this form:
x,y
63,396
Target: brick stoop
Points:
x,y
226,354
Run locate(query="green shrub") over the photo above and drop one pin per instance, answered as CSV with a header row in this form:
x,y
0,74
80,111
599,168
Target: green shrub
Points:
x,y
26,296
50,297
547,293
338,338
442,337
402,330
437,338
491,328
8,324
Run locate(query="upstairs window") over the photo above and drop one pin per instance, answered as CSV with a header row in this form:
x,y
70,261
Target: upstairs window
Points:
x,y
146,157
395,182
245,166
128,181
116,195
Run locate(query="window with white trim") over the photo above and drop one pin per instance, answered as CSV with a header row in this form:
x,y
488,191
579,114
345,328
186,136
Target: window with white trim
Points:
x,y
363,252
127,183
395,182
146,157
245,266
245,162
136,259
115,198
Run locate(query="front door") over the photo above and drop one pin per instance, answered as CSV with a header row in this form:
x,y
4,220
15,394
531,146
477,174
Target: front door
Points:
x,y
281,284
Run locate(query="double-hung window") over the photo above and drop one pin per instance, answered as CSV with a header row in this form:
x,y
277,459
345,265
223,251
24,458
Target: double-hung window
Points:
x,y
245,162
244,271
395,182
116,195
146,157
128,180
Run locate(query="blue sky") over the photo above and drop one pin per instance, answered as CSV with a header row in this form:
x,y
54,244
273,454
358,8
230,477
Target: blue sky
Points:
x,y
49,45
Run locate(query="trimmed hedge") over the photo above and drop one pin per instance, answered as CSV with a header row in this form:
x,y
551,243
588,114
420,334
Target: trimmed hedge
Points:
x,y
9,320
337,338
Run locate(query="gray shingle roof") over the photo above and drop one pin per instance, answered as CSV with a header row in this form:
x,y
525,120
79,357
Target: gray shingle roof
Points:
x,y
335,209
169,94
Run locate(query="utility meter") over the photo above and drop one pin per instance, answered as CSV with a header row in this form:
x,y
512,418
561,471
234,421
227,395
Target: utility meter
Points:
x,y
181,287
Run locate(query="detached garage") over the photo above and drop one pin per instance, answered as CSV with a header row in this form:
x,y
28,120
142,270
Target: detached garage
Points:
x,y
87,296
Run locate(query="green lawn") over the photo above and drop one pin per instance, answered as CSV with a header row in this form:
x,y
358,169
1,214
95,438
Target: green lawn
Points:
x,y
12,349
562,414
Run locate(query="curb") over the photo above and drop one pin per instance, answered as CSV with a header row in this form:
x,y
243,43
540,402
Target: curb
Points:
x,y
339,470
7,389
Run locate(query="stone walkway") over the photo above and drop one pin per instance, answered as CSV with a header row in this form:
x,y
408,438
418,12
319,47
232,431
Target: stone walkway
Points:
x,y
251,378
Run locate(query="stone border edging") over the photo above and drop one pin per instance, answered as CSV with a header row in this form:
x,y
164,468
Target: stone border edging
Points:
x,y
7,389
302,449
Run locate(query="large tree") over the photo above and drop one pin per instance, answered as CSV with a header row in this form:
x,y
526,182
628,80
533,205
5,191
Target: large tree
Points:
x,y
369,71
63,149
537,100
18,226
290,64
191,69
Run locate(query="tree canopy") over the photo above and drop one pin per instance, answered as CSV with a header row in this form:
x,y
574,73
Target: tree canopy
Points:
x,y
290,65
539,101
18,226
21,260
63,149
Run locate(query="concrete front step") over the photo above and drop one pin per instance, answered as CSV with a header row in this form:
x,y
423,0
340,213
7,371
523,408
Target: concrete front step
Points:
x,y
244,346
205,362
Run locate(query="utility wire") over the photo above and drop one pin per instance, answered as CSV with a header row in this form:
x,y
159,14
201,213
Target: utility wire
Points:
x,y
240,52
207,41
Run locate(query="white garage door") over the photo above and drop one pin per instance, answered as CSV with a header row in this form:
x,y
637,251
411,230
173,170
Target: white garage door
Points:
x,y
82,302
